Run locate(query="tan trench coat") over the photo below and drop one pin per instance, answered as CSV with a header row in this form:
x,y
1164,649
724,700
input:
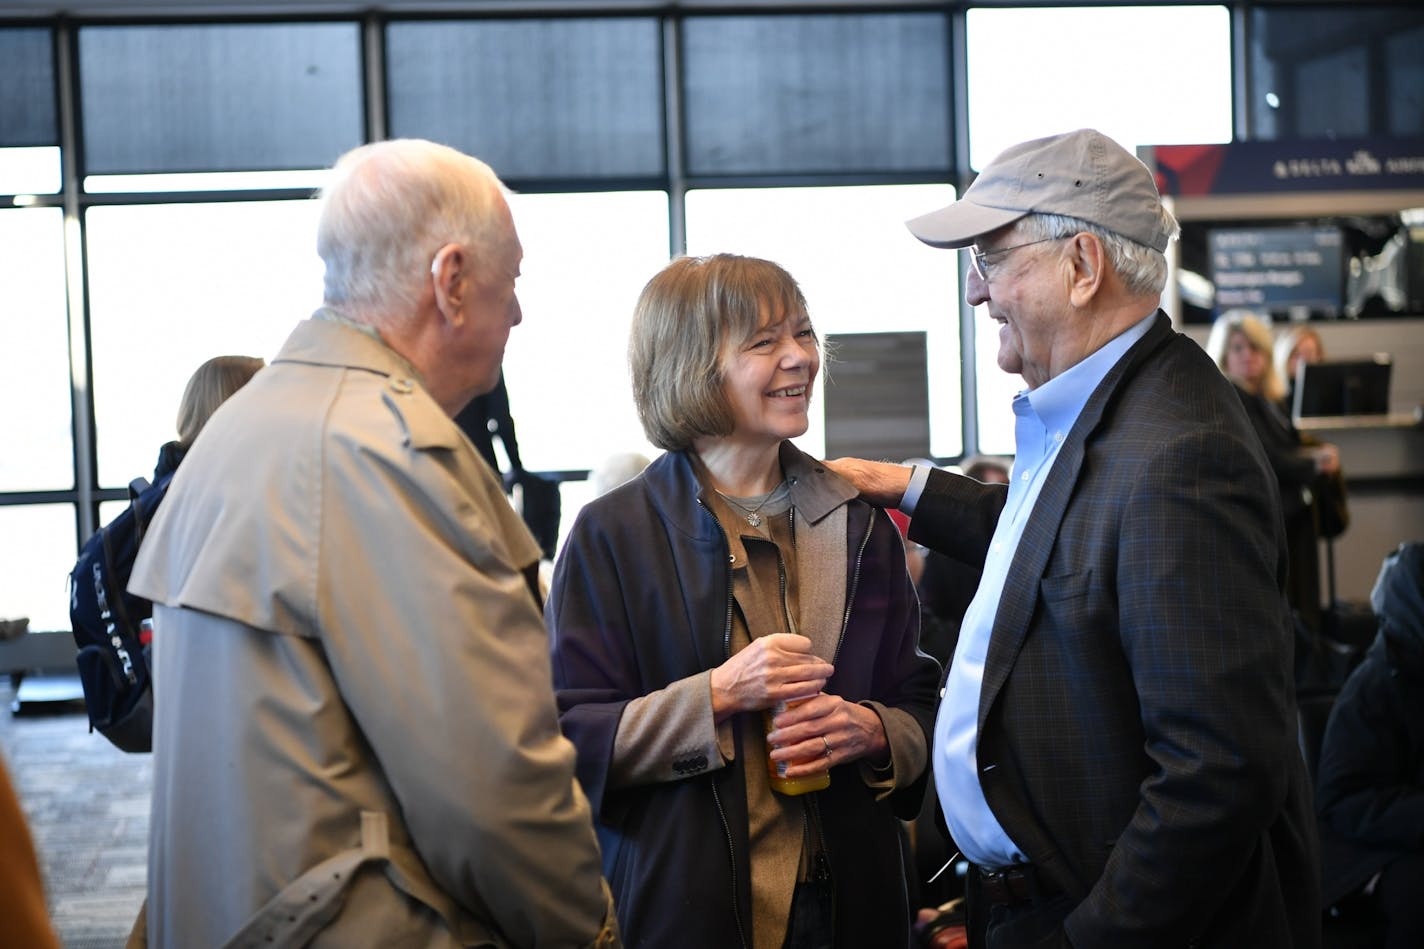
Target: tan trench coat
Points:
x,y
355,741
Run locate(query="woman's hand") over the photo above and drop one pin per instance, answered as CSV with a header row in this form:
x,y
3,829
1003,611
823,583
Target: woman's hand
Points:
x,y
775,668
1327,458
826,730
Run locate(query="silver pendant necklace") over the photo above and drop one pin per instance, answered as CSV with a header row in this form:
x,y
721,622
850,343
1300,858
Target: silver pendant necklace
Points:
x,y
753,518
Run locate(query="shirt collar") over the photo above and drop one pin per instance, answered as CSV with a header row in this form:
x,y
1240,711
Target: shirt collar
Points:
x,y
1058,402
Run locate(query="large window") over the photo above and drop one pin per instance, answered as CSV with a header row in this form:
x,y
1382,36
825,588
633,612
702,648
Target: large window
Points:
x,y
37,542
38,551
241,97
860,269
832,93
35,430
1136,91
173,285
560,99
1337,72
29,130
1142,75
586,258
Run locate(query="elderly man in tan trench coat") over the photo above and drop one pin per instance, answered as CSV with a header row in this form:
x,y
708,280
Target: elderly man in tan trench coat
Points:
x,y
355,739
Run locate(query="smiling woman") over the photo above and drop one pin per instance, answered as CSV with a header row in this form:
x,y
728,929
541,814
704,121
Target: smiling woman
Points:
x,y
782,771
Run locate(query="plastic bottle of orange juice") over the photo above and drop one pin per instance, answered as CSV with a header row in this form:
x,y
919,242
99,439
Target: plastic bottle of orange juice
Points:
x,y
777,769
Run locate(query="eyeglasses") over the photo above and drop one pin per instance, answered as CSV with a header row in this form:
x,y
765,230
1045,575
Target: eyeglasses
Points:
x,y
980,258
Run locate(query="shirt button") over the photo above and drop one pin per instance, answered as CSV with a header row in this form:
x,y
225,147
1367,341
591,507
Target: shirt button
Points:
x,y
1058,436
1024,476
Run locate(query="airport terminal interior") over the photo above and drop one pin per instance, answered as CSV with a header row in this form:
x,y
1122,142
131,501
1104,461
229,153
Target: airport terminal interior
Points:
x,y
158,161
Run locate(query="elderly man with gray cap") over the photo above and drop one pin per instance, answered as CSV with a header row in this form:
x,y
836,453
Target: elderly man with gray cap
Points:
x,y
1115,751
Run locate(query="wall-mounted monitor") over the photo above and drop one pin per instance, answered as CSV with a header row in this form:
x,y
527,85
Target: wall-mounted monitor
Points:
x,y
1343,388
1286,270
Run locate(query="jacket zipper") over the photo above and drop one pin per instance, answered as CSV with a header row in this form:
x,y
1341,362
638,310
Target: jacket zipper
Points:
x,y
717,798
854,583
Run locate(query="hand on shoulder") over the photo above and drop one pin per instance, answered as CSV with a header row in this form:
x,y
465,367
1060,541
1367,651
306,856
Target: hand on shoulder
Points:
x,y
882,483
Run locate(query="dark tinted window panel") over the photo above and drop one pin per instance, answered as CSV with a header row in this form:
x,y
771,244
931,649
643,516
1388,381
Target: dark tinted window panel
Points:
x,y
27,89
817,94
219,98
553,99
1343,71
1406,70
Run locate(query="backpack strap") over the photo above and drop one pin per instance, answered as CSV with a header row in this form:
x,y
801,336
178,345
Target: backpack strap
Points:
x,y
137,487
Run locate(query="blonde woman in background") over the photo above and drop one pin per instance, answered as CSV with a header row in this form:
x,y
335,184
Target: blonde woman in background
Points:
x,y
209,387
1294,347
1241,344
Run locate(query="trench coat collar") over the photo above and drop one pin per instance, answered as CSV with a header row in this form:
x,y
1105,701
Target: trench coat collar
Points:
x,y
328,339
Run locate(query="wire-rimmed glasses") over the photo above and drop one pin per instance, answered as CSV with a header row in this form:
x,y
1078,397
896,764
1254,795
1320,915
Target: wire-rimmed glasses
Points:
x,y
980,258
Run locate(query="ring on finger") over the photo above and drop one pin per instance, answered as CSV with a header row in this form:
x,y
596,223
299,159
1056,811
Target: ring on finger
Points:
x,y
827,743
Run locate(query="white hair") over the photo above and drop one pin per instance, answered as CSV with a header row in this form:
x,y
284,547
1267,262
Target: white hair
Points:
x,y
1143,269
615,470
387,209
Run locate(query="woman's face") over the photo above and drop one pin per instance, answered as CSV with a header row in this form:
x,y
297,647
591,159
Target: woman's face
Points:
x,y
768,378
1245,364
1307,351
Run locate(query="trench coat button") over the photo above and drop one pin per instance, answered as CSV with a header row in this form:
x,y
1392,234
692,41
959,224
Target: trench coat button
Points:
x,y
402,385
731,558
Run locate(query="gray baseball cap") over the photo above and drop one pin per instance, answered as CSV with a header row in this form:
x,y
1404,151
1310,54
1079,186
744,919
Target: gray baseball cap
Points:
x,y
1082,174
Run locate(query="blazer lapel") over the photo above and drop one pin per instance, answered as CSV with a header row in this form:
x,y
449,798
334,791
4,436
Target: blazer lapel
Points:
x,y
1040,536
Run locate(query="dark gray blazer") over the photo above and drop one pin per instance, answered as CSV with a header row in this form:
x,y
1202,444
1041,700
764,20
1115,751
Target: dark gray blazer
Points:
x,y
1137,721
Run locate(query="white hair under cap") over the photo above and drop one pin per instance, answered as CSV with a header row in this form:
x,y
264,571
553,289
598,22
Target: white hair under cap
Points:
x,y
1082,174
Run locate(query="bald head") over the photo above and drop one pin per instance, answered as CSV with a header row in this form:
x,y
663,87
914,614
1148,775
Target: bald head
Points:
x,y
388,208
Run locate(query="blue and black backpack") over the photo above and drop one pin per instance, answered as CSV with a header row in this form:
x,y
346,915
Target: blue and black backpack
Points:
x,y
108,624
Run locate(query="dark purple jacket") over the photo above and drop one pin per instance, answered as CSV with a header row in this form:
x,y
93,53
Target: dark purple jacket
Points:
x,y
642,598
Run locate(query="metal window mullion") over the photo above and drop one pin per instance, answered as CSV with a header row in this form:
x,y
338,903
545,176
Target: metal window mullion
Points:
x,y
674,135
373,36
81,375
968,345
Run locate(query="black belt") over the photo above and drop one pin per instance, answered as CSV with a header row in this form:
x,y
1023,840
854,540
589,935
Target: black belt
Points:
x,y
1012,885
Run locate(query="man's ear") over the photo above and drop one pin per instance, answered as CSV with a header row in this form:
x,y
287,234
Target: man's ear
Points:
x,y
1088,265
449,273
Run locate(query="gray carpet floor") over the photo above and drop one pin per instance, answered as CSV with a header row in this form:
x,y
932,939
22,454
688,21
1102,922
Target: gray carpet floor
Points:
x,y
87,803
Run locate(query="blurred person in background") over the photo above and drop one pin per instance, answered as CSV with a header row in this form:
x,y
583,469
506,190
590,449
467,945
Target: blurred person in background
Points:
x,y
1240,343
1299,345
1370,785
209,387
24,918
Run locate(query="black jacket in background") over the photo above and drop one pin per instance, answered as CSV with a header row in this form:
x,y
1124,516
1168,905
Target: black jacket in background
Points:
x,y
1370,787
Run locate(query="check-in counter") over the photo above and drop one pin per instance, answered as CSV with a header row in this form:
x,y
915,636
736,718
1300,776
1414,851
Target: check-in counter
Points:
x,y
1383,462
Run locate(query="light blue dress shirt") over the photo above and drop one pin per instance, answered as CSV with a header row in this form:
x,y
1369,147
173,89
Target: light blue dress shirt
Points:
x,y
1042,419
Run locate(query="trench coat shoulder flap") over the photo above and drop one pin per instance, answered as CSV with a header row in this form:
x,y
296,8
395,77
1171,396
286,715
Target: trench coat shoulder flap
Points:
x,y
425,425
376,418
